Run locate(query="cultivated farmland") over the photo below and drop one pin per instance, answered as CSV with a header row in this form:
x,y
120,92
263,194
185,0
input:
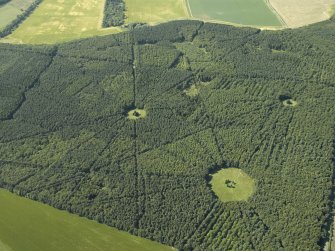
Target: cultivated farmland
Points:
x,y
10,10
27,225
155,11
297,13
253,12
58,20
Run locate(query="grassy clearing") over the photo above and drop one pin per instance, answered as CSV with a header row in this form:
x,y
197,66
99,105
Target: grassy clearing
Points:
x,y
59,20
232,184
10,10
137,114
296,14
192,91
31,226
155,11
252,12
195,89
290,102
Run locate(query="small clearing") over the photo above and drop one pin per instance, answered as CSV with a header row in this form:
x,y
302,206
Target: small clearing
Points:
x,y
232,184
192,91
137,114
290,102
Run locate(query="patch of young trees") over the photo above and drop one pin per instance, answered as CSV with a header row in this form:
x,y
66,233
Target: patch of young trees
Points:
x,y
114,13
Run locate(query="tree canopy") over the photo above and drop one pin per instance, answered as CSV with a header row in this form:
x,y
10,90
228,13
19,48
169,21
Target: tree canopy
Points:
x,y
66,140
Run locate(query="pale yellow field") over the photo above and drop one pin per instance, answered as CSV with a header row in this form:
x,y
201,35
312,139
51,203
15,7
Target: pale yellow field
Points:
x,y
155,11
297,13
57,21
62,20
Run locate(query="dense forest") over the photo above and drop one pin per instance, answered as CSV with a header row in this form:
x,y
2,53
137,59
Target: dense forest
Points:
x,y
114,13
261,101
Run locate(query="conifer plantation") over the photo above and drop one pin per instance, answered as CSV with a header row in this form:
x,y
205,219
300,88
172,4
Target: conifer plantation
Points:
x,y
129,130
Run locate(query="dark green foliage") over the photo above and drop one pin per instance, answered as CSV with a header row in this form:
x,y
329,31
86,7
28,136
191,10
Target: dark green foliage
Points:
x,y
31,63
175,31
2,2
114,13
230,183
65,138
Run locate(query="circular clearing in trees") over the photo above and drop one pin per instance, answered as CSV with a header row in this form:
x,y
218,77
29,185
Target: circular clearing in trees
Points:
x,y
232,184
192,91
137,114
290,102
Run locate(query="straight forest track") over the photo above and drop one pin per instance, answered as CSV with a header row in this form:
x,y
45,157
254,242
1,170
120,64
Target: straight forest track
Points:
x,y
135,143
210,216
31,86
92,164
328,242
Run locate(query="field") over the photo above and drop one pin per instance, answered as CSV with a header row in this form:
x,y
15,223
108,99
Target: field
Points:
x,y
58,21
253,12
11,10
232,184
155,11
27,225
296,14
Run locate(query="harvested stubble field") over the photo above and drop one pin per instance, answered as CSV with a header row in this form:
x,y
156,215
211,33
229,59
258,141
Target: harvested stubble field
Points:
x,y
59,21
295,14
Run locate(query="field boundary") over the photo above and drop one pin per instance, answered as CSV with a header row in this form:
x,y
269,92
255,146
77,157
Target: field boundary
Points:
x,y
189,10
7,30
273,9
111,238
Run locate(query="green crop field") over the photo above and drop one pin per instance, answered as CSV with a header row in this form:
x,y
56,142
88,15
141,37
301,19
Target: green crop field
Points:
x,y
10,10
27,225
232,184
155,11
58,21
251,12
